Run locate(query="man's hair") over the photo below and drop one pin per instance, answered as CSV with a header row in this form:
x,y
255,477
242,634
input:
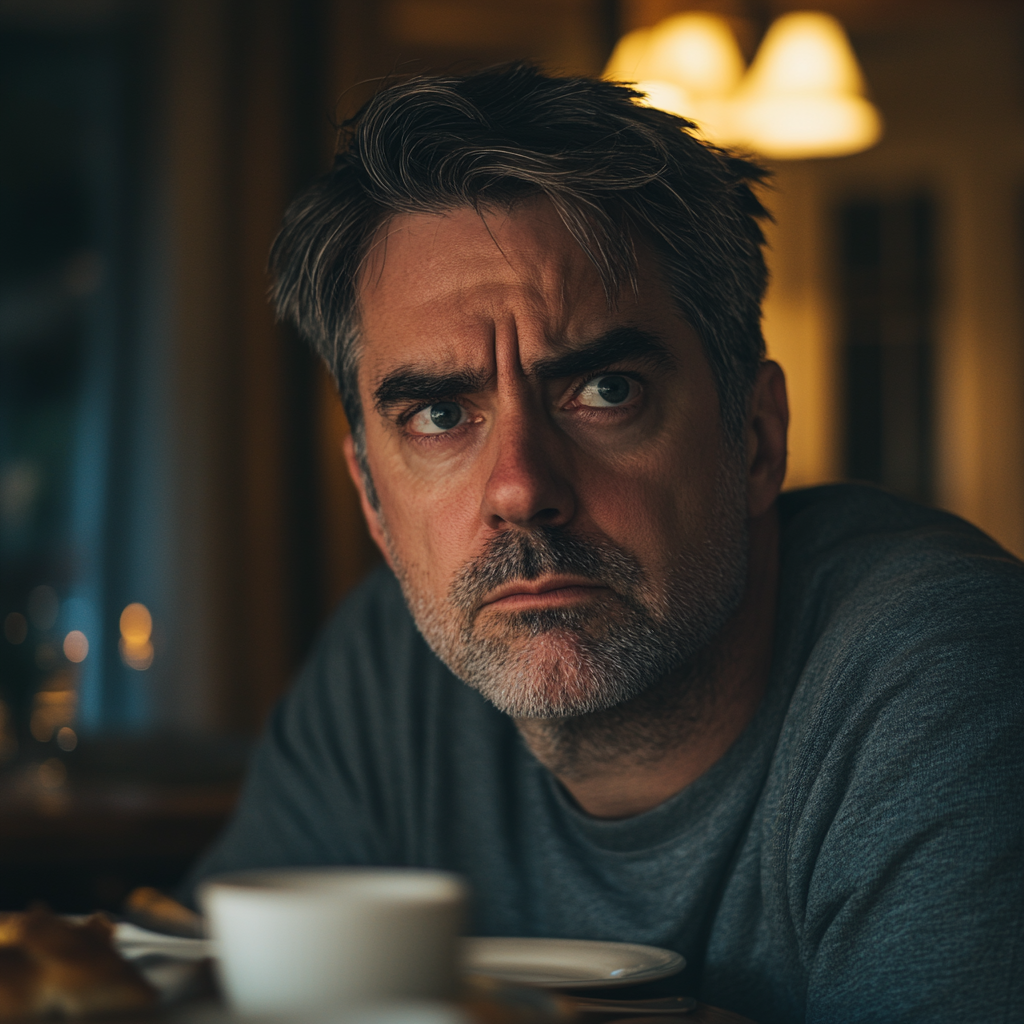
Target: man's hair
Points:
x,y
617,173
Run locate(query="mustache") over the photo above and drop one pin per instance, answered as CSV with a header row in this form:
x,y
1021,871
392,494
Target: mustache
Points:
x,y
522,556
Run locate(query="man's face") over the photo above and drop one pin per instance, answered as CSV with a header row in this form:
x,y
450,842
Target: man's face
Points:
x,y
555,494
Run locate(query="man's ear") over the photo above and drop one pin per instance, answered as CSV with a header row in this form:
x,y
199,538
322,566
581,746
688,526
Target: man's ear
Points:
x,y
369,512
767,427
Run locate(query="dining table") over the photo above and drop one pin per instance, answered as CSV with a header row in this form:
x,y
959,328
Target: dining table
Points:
x,y
167,945
200,1001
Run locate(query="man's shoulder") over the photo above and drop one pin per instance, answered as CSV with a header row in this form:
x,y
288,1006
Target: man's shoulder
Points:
x,y
892,613
815,518
904,646
892,805
867,550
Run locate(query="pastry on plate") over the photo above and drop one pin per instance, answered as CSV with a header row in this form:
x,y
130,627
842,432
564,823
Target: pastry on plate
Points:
x,y
51,965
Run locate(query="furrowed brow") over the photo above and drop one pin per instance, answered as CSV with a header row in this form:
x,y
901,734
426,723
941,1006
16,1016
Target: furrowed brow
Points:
x,y
618,345
409,384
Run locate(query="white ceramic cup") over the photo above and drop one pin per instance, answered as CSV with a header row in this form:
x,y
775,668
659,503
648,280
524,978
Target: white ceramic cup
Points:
x,y
303,939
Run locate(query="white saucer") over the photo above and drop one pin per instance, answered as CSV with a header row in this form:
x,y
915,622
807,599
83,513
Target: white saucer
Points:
x,y
568,963
133,942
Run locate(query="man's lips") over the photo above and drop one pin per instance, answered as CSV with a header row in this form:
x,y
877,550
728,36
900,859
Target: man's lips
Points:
x,y
543,593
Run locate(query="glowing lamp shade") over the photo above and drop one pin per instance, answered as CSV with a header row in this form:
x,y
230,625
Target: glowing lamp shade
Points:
x,y
666,96
624,65
697,52
804,93
628,63
689,64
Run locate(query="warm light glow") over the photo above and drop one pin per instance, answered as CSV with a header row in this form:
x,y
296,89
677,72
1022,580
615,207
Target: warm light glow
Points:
x,y
136,656
803,96
629,52
66,739
664,96
136,624
136,630
697,52
689,65
76,646
806,52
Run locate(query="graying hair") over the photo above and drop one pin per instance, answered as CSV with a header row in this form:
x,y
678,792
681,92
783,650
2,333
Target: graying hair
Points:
x,y
616,172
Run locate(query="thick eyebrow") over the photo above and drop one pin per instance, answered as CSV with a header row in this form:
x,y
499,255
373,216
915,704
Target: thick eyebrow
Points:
x,y
409,384
618,345
412,384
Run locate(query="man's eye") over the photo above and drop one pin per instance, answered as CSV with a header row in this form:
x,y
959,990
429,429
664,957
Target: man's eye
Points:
x,y
610,389
437,418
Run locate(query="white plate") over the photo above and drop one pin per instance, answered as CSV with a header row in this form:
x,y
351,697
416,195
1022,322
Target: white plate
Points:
x,y
568,963
133,942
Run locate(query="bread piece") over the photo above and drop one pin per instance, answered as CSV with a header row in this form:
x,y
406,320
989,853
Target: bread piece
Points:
x,y
19,980
10,929
51,965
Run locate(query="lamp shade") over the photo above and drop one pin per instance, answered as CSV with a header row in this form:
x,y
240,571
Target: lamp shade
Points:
x,y
624,65
689,64
697,52
804,93
666,96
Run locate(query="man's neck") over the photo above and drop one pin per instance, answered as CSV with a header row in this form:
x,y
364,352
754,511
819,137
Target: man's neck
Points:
x,y
628,759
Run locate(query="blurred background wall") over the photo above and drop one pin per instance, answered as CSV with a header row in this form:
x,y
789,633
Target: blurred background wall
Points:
x,y
175,519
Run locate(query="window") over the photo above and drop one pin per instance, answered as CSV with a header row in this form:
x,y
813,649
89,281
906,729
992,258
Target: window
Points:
x,y
887,294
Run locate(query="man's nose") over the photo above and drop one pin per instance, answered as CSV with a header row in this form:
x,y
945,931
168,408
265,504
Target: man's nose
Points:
x,y
527,485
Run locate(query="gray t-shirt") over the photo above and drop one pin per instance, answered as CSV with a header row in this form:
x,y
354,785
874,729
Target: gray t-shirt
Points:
x,y
855,856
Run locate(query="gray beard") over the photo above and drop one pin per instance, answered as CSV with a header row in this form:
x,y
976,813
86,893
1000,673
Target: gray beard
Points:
x,y
611,668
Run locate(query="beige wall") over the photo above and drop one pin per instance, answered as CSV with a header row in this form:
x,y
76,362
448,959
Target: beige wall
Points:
x,y
952,95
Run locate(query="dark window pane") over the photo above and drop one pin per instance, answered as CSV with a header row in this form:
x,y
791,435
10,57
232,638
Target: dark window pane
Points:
x,y
886,271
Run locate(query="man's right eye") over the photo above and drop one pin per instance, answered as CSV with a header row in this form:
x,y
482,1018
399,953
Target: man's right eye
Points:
x,y
438,418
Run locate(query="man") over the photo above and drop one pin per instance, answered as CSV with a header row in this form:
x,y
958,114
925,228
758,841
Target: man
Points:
x,y
778,735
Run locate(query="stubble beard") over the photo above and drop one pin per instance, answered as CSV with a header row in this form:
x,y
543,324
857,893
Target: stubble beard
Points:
x,y
576,671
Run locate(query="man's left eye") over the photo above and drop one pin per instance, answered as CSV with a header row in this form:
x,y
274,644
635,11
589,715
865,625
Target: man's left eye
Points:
x,y
438,418
608,390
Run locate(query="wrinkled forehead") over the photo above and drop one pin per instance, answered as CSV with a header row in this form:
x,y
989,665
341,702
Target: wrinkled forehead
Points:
x,y
436,279
421,257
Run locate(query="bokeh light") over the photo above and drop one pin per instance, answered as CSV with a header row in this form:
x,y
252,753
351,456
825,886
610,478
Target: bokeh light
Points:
x,y
136,624
67,739
136,629
76,646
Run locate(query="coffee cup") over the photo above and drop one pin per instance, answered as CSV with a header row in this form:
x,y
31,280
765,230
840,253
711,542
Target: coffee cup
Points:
x,y
294,940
